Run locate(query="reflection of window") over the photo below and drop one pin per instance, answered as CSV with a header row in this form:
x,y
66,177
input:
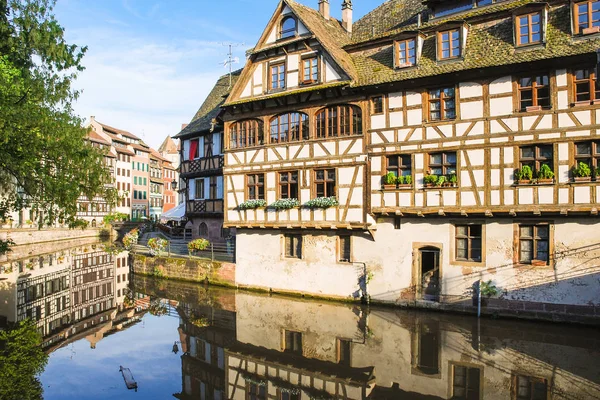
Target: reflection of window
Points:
x,y
449,44
344,351
278,76
399,164
529,29
534,243
426,348
466,382
203,230
290,127
529,388
293,342
339,121
286,395
468,242
288,185
536,156
288,28
587,15
442,163
293,245
534,91
442,104
586,85
325,182
256,186
406,53
254,391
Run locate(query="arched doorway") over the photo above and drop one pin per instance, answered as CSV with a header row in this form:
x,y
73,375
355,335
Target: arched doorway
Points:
x,y
429,283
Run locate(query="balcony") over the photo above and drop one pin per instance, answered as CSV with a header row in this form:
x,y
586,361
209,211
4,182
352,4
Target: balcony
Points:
x,y
203,166
211,206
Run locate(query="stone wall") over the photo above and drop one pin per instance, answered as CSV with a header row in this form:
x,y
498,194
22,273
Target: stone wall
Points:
x,y
186,269
33,236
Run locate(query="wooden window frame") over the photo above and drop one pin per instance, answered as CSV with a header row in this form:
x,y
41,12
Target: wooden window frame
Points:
x,y
284,346
398,53
441,41
246,133
295,240
327,126
325,182
535,88
592,159
339,360
377,105
277,65
302,122
537,160
311,58
445,165
341,248
256,395
530,25
532,380
592,85
470,238
576,26
281,32
401,167
258,186
289,184
535,239
467,366
442,100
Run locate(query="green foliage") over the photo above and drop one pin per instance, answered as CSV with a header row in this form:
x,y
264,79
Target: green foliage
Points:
x,y
5,246
322,202
198,245
389,178
545,172
115,217
524,174
158,272
252,204
157,245
452,178
441,180
408,180
42,146
430,179
582,170
78,223
131,239
22,361
400,180
285,204
488,289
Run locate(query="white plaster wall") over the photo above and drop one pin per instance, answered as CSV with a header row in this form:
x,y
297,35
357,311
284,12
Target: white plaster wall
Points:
x,y
330,73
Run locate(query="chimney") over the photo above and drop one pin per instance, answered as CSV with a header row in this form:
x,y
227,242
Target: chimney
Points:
x,y
183,126
324,8
347,15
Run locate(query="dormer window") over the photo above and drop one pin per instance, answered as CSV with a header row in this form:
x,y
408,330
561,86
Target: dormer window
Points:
x,y
586,15
406,53
287,28
529,29
449,44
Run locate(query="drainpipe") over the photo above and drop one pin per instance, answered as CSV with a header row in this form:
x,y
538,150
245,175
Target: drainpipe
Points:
x,y
479,299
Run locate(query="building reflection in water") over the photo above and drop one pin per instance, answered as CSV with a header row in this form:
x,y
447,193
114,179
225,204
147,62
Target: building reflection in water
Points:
x,y
249,347
71,293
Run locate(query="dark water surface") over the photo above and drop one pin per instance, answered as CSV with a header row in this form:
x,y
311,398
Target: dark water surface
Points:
x,y
239,345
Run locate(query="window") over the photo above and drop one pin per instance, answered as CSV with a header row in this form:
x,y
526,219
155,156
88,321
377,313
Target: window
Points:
x,y
588,153
449,45
442,163
400,164
256,186
344,352
529,388
293,342
287,395
585,84
406,53
452,7
278,76
442,104
534,92
212,194
339,121
288,28
199,194
254,391
397,222
587,16
288,185
310,70
345,247
203,230
536,156
534,243
246,133
529,29
466,382
468,243
135,180
325,183
290,127
135,194
377,104
293,246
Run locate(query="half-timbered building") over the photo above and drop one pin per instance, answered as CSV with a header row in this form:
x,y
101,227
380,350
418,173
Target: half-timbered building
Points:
x,y
427,147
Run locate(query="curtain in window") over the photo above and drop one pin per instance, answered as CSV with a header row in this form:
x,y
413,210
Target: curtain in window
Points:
x,y
193,148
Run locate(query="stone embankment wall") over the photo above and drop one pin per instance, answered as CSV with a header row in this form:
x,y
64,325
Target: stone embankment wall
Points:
x,y
34,236
186,269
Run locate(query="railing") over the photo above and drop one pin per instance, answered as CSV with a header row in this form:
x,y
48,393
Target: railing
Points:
x,y
211,206
201,165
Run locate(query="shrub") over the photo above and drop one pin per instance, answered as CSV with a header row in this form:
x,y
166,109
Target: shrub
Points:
x,y
115,217
582,170
285,204
389,179
252,204
545,172
78,223
430,179
157,245
131,239
322,202
198,245
488,289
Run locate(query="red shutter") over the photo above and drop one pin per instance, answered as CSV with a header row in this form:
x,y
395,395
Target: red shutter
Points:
x,y
193,148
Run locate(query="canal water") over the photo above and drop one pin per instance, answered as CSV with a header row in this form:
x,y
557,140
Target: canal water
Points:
x,y
188,341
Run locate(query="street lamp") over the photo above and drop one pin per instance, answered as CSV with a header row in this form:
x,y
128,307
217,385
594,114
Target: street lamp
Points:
x,y
174,184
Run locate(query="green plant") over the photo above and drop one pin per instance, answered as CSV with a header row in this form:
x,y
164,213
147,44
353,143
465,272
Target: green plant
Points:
x,y
157,245
597,172
198,245
389,178
131,239
322,202
408,180
252,204
441,180
78,223
452,178
582,170
525,173
400,180
29,222
5,246
488,289
285,204
115,217
430,179
158,272
545,172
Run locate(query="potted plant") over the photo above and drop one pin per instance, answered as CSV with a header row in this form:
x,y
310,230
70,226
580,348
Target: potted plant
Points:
x,y
390,180
29,223
285,204
441,181
252,204
404,181
597,173
487,290
582,173
524,175
322,202
453,179
545,174
430,180
157,245
197,245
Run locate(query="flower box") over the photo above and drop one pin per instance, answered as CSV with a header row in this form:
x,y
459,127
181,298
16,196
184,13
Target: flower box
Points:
x,y
582,179
405,186
252,204
533,108
590,30
322,202
389,187
285,204
545,181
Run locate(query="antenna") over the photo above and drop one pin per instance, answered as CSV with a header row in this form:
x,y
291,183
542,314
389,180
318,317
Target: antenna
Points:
x,y
231,59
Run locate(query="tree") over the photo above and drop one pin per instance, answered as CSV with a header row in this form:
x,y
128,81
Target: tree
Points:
x,y
45,161
22,360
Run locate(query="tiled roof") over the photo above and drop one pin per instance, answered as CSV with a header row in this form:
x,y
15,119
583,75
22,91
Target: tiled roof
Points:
x,y
124,150
94,137
168,146
211,107
116,131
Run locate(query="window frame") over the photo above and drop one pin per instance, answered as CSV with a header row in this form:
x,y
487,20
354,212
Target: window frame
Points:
x,y
577,30
535,88
325,182
535,238
441,41
398,52
442,99
294,335
469,237
537,160
258,186
327,127
593,85
592,159
530,25
445,165
294,249
468,366
377,104
532,380
289,184
303,121
250,131
278,65
344,245
401,167
310,58
281,32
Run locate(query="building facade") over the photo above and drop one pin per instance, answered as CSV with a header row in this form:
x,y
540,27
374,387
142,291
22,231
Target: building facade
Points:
x,y
156,186
408,159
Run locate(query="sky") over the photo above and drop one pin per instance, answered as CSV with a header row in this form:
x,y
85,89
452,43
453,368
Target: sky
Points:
x,y
151,63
